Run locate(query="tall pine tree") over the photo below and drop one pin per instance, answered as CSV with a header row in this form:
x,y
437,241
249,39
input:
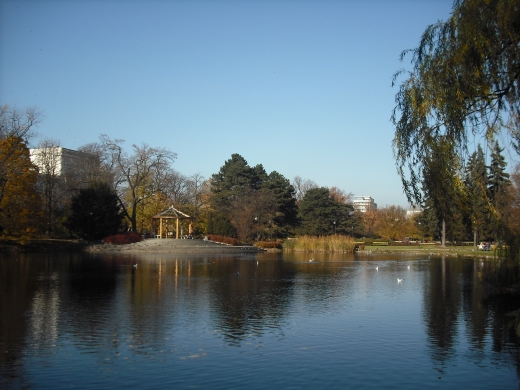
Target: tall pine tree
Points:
x,y
476,180
498,190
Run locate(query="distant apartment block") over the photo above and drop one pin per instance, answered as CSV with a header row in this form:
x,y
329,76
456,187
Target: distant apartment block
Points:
x,y
364,203
56,160
412,212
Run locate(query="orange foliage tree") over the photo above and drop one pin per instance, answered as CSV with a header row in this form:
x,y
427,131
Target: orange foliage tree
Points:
x,y
20,207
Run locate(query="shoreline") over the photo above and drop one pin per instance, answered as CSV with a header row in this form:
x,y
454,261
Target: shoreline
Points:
x,y
155,245
170,245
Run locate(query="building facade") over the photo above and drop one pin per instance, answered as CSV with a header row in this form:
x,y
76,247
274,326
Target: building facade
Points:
x,y
56,161
364,203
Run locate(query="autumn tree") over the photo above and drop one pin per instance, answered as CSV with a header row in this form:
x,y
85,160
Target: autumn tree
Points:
x,y
368,219
16,125
392,223
340,196
20,204
136,177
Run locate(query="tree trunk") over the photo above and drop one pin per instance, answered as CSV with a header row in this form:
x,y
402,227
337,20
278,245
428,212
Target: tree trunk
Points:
x,y
443,234
134,219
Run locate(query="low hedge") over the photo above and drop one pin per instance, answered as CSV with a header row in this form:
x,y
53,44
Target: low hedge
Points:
x,y
223,239
269,244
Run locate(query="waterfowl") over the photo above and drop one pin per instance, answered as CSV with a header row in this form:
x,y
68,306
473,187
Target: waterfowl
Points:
x,y
399,280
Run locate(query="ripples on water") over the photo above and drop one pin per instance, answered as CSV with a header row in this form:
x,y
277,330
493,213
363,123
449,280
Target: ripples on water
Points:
x,y
285,322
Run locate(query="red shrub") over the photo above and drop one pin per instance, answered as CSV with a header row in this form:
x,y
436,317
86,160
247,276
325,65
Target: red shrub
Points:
x,y
269,244
123,238
224,240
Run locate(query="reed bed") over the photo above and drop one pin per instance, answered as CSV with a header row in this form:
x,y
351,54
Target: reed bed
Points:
x,y
320,244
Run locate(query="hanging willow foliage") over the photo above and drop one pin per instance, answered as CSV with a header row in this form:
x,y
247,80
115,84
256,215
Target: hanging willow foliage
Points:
x,y
464,83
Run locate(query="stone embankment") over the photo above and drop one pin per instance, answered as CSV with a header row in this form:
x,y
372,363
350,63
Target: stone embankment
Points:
x,y
170,245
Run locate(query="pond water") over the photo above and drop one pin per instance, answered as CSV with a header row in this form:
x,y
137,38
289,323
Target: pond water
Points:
x,y
251,321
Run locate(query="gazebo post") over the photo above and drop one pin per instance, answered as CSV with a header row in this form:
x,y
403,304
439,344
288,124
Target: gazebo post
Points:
x,y
160,227
177,231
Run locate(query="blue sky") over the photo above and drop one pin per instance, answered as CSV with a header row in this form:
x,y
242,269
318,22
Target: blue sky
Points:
x,y
302,87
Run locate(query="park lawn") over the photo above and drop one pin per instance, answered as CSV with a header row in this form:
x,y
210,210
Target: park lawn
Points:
x,y
431,249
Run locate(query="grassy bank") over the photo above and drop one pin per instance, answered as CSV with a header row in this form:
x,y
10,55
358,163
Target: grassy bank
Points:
x,y
347,244
431,249
320,244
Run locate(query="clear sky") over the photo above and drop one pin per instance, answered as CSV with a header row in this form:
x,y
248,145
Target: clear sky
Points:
x,y
302,87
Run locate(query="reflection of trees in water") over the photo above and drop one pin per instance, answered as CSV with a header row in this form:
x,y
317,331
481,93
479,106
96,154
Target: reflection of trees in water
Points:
x,y
504,336
88,305
453,294
17,288
442,305
252,302
261,298
30,305
475,311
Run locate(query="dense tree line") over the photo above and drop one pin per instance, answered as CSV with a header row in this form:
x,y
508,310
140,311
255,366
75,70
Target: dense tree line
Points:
x,y
112,190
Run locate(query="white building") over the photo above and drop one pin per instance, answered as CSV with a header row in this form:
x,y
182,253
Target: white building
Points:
x,y
412,213
364,203
56,160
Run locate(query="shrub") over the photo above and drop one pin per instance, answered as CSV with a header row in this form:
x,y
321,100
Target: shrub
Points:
x,y
123,238
269,244
223,239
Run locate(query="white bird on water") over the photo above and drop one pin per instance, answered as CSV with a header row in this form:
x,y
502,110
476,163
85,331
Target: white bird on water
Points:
x,y
377,268
311,260
399,280
408,267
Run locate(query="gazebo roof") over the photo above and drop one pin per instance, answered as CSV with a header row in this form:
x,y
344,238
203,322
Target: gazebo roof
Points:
x,y
172,212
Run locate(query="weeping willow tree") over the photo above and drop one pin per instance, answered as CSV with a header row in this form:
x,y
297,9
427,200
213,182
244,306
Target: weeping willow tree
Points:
x,y
462,90
443,185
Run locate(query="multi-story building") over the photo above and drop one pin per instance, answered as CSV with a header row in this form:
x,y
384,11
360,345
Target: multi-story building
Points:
x,y
55,160
364,203
412,212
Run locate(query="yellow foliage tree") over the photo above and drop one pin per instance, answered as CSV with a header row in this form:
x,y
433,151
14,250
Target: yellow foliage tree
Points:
x,y
392,223
20,207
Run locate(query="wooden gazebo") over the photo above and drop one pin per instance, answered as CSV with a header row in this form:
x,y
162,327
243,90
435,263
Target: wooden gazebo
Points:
x,y
169,214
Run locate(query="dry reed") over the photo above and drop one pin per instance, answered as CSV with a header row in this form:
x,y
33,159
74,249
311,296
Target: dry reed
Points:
x,y
335,243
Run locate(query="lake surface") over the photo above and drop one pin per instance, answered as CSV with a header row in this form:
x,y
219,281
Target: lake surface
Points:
x,y
96,321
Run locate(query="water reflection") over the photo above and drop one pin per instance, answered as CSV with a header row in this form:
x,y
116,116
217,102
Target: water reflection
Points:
x,y
61,313
456,312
